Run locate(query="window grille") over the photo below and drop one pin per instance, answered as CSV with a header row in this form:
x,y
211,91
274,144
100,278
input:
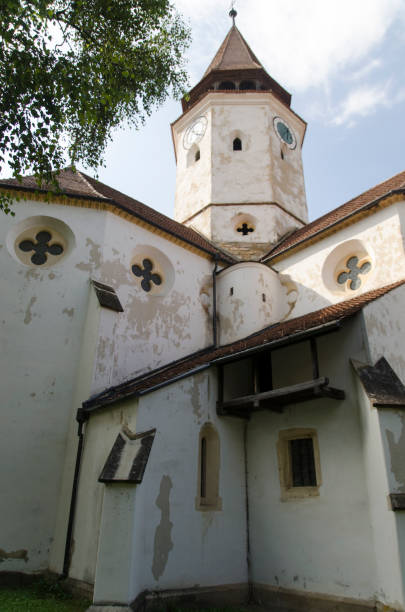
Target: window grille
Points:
x,y
303,473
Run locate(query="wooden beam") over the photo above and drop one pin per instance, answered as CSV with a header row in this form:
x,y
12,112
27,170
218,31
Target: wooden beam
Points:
x,y
285,395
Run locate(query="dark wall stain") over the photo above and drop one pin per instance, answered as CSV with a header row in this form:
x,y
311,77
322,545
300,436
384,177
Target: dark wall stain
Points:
x,y
163,543
14,554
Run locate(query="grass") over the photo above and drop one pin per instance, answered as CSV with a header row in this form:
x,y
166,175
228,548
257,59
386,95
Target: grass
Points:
x,y
43,596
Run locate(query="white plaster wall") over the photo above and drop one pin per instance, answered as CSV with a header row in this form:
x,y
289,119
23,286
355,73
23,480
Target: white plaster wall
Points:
x,y
79,394
173,544
385,327
381,236
270,223
320,544
255,174
193,180
385,446
153,329
389,580
249,297
43,312
51,363
100,434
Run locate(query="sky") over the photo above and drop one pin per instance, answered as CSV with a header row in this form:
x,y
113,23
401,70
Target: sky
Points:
x,y
342,61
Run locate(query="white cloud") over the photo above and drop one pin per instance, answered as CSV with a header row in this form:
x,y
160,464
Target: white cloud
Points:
x,y
365,70
302,43
363,101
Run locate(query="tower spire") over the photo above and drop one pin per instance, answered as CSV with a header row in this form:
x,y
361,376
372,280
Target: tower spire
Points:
x,y
233,12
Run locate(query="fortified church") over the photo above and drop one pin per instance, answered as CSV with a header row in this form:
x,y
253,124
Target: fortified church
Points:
x,y
208,409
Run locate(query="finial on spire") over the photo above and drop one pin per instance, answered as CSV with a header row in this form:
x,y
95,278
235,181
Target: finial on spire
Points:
x,y
233,12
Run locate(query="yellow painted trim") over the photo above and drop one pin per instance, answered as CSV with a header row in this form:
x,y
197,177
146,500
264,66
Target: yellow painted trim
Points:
x,y
106,207
354,218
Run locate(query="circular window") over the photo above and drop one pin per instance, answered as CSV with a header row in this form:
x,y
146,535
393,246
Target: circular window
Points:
x,y
347,267
40,242
152,271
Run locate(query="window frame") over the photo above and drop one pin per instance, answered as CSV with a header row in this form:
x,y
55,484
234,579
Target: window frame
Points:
x,y
207,498
288,490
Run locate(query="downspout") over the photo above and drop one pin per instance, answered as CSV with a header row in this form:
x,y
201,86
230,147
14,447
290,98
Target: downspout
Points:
x,y
214,304
81,418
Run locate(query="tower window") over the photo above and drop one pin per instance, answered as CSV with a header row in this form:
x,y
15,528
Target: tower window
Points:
x,y
208,470
227,85
197,155
237,144
245,229
246,85
281,154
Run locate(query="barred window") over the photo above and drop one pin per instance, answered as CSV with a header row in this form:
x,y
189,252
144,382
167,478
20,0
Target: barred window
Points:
x,y
299,463
302,458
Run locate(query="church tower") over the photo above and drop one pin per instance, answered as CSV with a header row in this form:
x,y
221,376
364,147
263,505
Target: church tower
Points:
x,y
238,150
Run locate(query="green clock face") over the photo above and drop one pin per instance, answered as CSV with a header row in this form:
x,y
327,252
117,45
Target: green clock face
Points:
x,y
284,132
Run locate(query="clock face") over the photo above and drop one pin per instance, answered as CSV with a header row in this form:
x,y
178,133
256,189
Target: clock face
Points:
x,y
195,132
284,132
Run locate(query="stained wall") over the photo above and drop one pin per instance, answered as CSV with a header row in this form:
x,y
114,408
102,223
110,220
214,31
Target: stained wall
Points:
x,y
320,544
56,352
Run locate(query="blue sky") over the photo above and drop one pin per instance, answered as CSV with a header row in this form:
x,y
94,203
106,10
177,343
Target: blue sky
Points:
x,y
342,61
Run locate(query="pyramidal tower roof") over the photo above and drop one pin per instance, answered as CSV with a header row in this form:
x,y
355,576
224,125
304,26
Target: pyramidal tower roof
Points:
x,y
234,54
235,62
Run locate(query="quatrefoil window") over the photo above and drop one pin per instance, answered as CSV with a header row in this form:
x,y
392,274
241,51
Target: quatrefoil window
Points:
x,y
41,247
245,229
353,272
148,277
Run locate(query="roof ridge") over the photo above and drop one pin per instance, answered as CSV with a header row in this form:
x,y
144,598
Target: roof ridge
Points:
x,y
220,54
377,192
83,176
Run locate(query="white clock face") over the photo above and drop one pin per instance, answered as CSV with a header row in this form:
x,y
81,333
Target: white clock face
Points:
x,y
284,132
195,132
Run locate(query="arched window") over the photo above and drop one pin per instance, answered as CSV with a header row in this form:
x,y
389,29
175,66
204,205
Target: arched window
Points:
x,y
208,470
193,155
227,85
237,144
246,85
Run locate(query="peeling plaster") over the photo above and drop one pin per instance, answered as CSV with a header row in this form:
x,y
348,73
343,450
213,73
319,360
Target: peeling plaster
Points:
x,y
69,312
15,554
396,444
195,395
163,543
32,274
28,313
94,259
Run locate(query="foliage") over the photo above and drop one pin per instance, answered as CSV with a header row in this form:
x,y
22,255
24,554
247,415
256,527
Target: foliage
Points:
x,y
40,597
71,71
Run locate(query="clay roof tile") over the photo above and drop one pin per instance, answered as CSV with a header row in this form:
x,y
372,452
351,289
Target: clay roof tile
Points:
x,y
396,182
79,184
190,363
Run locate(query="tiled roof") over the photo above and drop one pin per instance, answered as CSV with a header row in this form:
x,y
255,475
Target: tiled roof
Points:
x,y
234,60
70,183
78,184
165,375
328,220
234,54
